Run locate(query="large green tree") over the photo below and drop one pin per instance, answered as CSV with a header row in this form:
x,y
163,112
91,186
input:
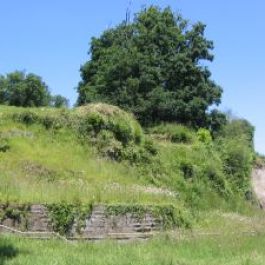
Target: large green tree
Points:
x,y
19,89
154,68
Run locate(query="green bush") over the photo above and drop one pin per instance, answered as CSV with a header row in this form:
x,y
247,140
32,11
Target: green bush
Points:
x,y
27,117
62,216
235,146
217,178
93,118
188,169
47,118
4,145
238,161
173,132
204,136
115,133
259,160
239,129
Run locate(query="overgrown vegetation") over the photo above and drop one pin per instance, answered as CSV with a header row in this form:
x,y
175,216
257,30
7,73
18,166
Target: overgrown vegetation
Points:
x,y
159,149
100,154
170,216
63,216
115,133
16,213
188,156
174,133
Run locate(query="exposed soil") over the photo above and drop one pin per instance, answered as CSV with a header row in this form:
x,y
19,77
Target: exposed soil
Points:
x,y
258,182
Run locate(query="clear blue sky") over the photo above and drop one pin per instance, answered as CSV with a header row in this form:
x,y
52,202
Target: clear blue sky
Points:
x,y
51,38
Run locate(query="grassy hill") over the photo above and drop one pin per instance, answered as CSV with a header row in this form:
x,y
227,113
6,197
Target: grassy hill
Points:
x,y
100,154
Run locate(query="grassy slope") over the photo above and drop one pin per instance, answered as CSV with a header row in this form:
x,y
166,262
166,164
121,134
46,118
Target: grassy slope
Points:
x,y
49,166
53,165
46,166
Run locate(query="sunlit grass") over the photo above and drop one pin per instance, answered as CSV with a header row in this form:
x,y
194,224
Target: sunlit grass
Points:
x,y
51,167
225,250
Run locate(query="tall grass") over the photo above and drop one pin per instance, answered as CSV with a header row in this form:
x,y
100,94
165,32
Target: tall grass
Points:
x,y
48,166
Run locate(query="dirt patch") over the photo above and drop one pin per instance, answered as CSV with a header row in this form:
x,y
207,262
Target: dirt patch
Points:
x,y
258,182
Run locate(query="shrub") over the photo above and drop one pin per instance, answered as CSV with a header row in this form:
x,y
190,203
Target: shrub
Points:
x,y
239,129
108,145
204,136
217,178
238,161
4,145
115,132
259,161
187,168
63,216
173,132
26,117
93,118
48,119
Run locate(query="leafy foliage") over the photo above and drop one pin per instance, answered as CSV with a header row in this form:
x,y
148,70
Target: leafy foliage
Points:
x,y
64,215
174,132
259,160
169,215
152,67
4,145
116,133
27,90
19,89
204,136
59,101
236,147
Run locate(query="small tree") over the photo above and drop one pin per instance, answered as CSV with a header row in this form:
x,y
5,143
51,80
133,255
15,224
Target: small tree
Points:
x,y
59,101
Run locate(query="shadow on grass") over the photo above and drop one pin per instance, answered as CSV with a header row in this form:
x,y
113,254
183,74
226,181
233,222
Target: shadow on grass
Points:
x,y
7,252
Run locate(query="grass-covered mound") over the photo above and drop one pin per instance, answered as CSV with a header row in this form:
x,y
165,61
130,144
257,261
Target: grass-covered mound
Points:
x,y
95,153
100,154
115,133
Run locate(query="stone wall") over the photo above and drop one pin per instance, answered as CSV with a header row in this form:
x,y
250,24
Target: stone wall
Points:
x,y
35,221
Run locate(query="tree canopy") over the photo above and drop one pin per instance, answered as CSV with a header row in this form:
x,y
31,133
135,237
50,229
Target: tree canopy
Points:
x,y
153,68
19,89
59,101
27,90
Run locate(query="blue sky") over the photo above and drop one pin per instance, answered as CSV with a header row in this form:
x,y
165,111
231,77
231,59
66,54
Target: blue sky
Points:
x,y
51,38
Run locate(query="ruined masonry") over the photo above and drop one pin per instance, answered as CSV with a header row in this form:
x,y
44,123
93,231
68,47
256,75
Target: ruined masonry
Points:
x,y
98,225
